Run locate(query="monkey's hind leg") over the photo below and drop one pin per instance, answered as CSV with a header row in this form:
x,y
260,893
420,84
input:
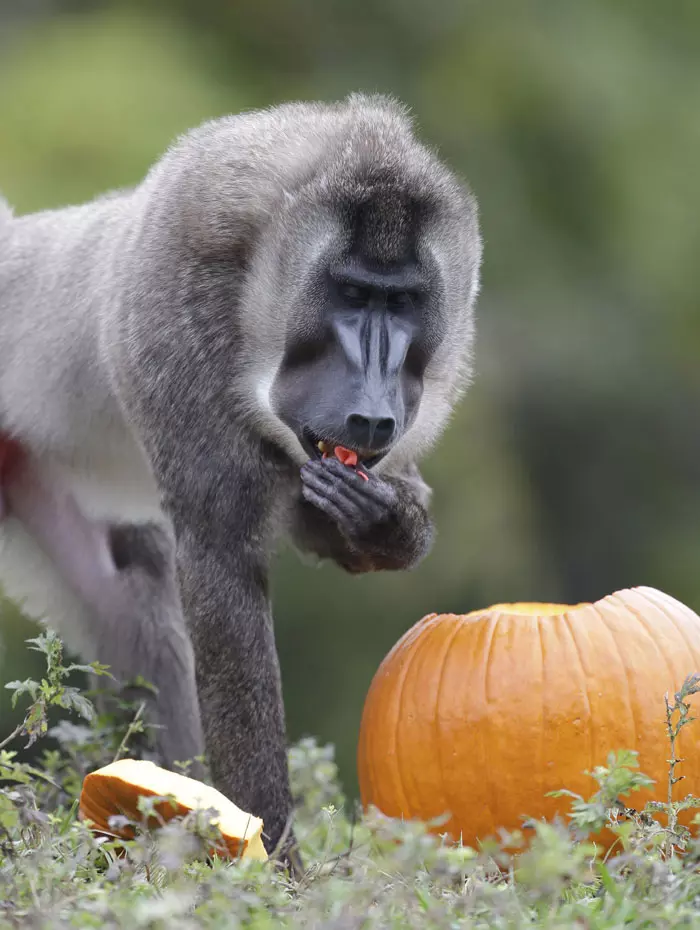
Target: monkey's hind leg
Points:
x,y
143,632
125,578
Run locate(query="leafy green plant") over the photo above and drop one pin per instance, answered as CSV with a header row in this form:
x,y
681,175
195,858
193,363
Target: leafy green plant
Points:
x,y
677,717
51,691
363,870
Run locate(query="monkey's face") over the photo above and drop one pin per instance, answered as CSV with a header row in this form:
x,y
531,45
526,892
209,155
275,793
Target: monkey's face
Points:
x,y
362,330
368,279
352,372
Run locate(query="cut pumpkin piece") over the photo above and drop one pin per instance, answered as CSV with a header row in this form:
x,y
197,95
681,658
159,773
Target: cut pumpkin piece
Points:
x,y
116,789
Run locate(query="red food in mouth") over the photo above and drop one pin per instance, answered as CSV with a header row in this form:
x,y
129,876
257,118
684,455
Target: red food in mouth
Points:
x,y
346,457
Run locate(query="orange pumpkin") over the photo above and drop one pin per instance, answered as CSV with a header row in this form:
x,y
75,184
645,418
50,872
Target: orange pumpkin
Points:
x,y
478,716
116,788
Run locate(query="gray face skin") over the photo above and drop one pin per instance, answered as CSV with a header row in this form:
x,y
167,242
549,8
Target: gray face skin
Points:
x,y
171,357
361,336
355,378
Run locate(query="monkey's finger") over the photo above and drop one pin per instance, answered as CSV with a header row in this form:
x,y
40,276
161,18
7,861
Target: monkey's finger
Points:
x,y
348,498
358,511
352,512
323,504
375,488
332,472
324,477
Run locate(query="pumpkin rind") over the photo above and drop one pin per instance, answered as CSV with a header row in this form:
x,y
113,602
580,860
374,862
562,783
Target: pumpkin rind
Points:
x,y
116,788
480,715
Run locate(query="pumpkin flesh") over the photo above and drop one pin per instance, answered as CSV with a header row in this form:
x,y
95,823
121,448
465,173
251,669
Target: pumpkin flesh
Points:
x,y
116,788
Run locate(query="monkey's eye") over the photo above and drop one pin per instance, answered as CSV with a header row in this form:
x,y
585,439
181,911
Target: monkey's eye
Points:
x,y
355,295
399,300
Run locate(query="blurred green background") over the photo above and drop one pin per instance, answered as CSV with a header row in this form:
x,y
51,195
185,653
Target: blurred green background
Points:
x,y
572,467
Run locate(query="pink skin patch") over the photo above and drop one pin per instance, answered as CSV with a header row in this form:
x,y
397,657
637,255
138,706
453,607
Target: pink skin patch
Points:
x,y
11,458
77,545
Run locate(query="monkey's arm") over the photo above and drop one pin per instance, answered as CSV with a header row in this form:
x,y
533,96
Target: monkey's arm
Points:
x,y
238,676
219,512
364,526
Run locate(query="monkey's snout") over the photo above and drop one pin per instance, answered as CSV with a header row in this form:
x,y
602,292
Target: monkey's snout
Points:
x,y
371,433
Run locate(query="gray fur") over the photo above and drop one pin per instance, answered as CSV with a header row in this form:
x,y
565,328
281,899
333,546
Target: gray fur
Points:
x,y
141,335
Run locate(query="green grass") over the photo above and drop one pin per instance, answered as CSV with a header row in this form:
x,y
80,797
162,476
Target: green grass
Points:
x,y
362,871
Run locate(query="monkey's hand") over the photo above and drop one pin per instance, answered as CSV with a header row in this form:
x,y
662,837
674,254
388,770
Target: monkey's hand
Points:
x,y
370,525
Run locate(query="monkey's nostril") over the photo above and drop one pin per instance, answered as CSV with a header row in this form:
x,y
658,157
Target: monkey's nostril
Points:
x,y
384,429
370,432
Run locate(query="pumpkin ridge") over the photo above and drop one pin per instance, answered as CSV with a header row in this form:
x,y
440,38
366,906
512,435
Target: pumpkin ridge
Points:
x,y
584,678
633,610
418,786
412,634
672,677
492,803
654,639
543,690
458,630
371,782
397,724
681,629
639,616
493,626
660,642
631,701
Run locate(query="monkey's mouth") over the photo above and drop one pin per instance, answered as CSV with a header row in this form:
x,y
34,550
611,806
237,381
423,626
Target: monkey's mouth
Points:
x,y
318,448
